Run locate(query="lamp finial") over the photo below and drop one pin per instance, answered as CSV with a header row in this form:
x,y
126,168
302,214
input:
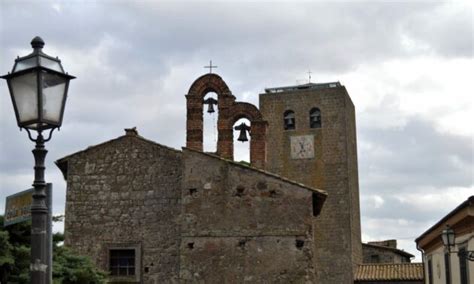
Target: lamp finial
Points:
x,y
37,43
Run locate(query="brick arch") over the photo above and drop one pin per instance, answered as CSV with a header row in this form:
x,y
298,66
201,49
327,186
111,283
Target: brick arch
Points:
x,y
244,110
209,83
257,133
203,85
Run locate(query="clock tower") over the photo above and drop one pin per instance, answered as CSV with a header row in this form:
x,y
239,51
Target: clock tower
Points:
x,y
311,138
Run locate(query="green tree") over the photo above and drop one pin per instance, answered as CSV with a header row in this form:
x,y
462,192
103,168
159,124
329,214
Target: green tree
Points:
x,y
17,246
68,267
6,256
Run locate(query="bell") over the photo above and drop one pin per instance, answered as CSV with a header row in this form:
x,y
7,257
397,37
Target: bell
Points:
x,y
243,132
243,136
210,108
289,123
210,102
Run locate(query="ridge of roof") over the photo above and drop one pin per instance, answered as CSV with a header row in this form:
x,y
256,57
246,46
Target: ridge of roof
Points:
x,y
468,202
60,163
316,190
115,139
306,86
389,271
390,248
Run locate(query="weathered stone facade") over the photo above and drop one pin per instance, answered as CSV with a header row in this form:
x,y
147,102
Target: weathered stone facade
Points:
x,y
188,216
126,193
243,225
333,168
384,252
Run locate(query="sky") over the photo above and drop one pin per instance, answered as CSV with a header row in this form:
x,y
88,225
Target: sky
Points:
x,y
407,65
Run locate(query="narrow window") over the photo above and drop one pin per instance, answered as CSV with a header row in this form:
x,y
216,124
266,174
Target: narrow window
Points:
x,y
430,271
242,140
122,262
375,258
447,267
463,267
210,113
315,118
289,120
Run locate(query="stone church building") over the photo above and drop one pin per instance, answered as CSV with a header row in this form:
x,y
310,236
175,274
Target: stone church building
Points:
x,y
148,213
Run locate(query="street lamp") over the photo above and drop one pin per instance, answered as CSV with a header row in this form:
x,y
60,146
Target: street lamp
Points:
x,y
448,237
38,88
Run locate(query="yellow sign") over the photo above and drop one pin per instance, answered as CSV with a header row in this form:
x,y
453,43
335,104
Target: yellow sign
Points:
x,y
17,207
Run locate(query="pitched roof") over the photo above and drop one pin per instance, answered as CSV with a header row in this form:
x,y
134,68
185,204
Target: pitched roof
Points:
x,y
133,133
323,194
469,202
395,250
130,133
389,272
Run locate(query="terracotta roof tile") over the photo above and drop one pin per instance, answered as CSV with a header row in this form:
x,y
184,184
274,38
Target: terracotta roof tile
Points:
x,y
390,271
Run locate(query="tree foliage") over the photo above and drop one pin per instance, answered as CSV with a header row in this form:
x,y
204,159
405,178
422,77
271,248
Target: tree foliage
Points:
x,y
68,267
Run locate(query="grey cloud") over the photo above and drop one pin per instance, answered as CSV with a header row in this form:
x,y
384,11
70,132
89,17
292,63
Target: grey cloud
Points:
x,y
416,155
395,209
450,35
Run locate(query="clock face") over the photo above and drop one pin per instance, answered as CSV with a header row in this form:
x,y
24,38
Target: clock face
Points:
x,y
302,147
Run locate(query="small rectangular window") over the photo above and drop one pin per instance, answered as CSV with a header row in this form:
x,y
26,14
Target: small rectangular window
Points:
x,y
375,258
122,262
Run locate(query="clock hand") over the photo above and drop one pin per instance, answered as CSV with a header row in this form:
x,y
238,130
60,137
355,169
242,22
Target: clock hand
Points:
x,y
301,146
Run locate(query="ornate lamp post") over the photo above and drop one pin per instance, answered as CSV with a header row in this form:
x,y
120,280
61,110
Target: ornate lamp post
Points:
x,y
448,236
38,88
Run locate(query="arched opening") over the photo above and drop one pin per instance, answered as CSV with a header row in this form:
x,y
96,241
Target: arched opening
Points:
x,y
289,120
210,114
241,131
315,118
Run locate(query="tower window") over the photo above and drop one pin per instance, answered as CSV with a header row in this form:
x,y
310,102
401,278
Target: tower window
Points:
x,y
122,262
289,120
315,118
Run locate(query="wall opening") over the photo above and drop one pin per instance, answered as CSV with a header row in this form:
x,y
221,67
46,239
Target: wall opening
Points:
x,y
210,122
289,121
241,149
315,118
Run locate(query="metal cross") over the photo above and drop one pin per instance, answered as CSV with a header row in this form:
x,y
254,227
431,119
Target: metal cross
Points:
x,y
309,74
210,66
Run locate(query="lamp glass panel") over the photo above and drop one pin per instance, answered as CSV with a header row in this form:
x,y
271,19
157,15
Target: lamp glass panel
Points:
x,y
53,94
51,64
24,89
444,237
451,238
25,64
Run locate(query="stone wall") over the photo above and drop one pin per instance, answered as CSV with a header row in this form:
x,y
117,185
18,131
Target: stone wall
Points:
x,y
385,243
189,216
333,169
126,193
242,225
377,254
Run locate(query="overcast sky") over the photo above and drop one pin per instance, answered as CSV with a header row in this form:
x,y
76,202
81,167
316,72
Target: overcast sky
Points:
x,y
408,67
